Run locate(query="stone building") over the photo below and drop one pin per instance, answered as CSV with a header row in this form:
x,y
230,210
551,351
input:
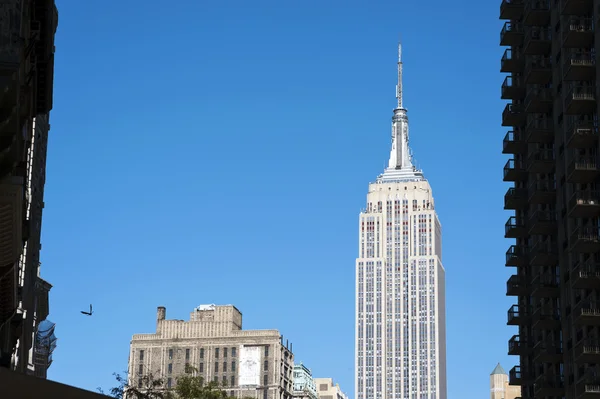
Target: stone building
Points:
x,y
328,390
499,387
248,363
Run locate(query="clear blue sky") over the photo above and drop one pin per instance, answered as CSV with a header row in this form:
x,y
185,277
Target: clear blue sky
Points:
x,y
220,152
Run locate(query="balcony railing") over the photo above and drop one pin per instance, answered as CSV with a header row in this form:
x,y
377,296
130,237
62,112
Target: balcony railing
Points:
x,y
514,142
585,239
542,192
580,100
583,169
579,66
546,317
542,222
514,171
539,99
513,228
536,12
541,161
578,32
537,41
584,204
582,134
515,285
511,34
576,7
511,62
512,88
587,350
515,198
516,345
515,376
539,129
538,70
516,316
548,386
585,275
544,253
587,313
545,285
512,115
516,255
511,9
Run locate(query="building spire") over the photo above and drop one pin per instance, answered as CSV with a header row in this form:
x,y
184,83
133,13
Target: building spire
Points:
x,y
399,85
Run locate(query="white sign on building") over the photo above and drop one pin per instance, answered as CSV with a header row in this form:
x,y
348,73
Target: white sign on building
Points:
x,y
249,369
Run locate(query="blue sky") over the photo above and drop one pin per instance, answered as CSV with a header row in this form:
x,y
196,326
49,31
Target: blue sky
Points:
x,y
220,152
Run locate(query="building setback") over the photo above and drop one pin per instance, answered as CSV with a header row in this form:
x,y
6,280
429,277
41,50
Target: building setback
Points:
x,y
400,281
552,116
212,345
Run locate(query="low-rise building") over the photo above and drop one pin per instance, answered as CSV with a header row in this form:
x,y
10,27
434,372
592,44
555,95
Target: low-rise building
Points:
x,y
328,390
304,384
212,345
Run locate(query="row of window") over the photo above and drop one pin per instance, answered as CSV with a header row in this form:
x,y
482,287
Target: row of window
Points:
x,y
217,353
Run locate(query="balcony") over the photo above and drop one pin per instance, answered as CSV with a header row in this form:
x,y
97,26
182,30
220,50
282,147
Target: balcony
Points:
x,y
584,204
538,70
515,198
580,100
511,9
514,228
587,313
515,377
514,171
515,317
583,169
513,143
511,34
511,63
576,7
515,286
542,192
585,239
516,346
537,12
537,41
542,223
512,88
539,100
541,161
539,129
582,134
513,115
516,255
585,275
579,66
578,32
588,388
546,318
548,386
544,253
545,285
587,351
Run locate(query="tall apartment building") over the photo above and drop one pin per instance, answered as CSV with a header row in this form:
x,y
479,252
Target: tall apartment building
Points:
x,y
26,88
250,363
304,383
499,386
328,390
553,142
400,281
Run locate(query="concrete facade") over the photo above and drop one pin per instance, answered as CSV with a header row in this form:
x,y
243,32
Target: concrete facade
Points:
x,y
253,363
327,389
304,383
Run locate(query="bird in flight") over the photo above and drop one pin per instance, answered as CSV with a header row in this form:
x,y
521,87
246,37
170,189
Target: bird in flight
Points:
x,y
88,313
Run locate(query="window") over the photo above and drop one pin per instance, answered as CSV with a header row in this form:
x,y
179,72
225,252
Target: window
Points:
x,y
201,353
187,368
266,365
187,354
233,352
266,394
216,379
170,354
224,367
170,368
224,380
201,381
265,379
232,381
140,383
141,369
168,382
267,351
216,353
216,367
233,366
142,354
322,387
201,369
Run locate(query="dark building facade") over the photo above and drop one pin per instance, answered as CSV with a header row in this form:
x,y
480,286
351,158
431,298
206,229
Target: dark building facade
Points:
x,y
551,62
27,29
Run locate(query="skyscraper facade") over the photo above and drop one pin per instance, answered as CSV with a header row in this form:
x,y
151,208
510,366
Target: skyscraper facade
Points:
x,y
400,281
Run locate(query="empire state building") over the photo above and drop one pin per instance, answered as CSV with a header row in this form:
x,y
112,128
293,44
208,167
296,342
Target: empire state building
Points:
x,y
400,343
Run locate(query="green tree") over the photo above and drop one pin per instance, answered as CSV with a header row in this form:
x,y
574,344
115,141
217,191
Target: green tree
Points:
x,y
148,388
